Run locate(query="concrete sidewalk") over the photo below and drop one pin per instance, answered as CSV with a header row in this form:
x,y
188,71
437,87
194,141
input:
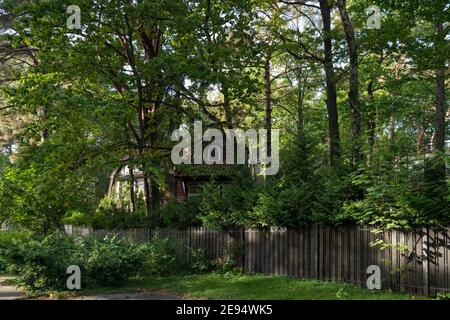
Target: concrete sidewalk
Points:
x,y
8,292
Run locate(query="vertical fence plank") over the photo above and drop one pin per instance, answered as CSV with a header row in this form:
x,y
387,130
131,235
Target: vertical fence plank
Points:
x,y
447,263
301,253
386,260
292,262
309,253
432,274
283,252
274,240
440,248
351,259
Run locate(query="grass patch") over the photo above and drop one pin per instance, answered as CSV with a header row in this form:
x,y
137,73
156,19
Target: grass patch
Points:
x,y
259,287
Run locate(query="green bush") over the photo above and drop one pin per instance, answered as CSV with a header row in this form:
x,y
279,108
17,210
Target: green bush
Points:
x,y
76,218
199,261
120,220
165,256
225,206
229,264
110,261
114,214
41,263
110,218
9,242
180,215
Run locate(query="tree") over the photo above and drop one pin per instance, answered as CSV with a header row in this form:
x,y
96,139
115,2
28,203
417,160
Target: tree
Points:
x,y
302,52
353,94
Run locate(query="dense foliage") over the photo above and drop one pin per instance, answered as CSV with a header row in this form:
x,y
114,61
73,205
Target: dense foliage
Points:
x,y
363,112
40,263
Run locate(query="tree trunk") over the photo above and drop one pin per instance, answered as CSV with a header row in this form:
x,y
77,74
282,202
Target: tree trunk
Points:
x,y
147,194
333,122
300,119
112,179
267,95
353,93
421,140
392,132
227,107
372,120
45,133
436,166
132,191
156,194
439,137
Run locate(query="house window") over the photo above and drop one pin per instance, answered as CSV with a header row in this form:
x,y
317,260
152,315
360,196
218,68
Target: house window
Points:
x,y
139,186
194,189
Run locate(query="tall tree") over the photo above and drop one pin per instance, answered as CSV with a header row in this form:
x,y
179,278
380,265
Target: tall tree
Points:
x,y
330,80
353,94
302,53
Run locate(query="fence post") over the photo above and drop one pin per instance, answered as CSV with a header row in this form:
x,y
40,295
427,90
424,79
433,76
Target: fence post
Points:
x,y
190,245
425,262
68,228
243,248
317,251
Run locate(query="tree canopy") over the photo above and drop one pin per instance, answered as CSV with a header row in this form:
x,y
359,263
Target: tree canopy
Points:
x,y
363,112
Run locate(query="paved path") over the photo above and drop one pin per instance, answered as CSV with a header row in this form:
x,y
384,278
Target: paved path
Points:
x,y
130,296
8,292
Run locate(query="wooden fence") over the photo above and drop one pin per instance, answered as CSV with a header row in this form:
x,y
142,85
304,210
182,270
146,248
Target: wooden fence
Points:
x,y
416,262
